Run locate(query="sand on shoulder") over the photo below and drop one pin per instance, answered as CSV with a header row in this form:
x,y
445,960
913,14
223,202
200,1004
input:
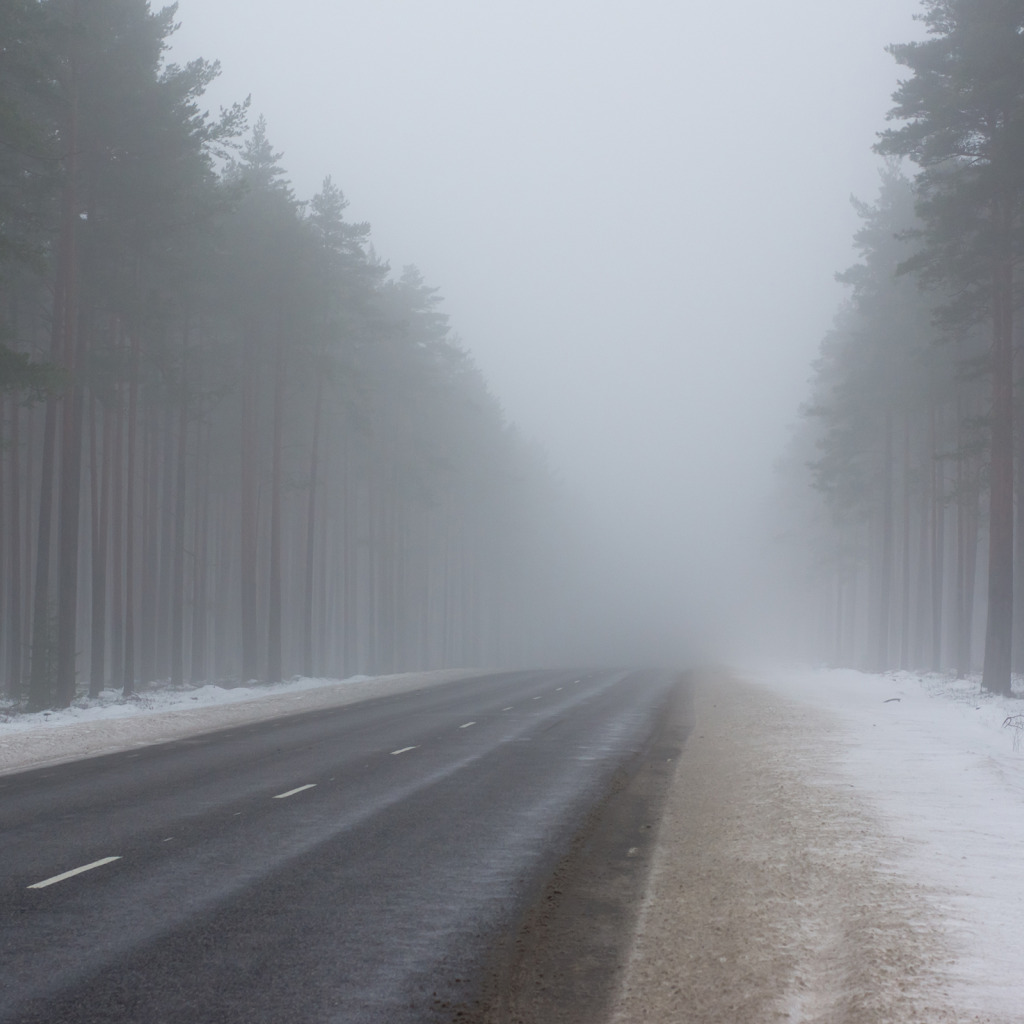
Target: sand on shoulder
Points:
x,y
774,894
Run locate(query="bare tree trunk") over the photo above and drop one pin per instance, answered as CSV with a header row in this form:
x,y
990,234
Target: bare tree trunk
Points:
x,y
249,549
101,529
201,571
117,534
275,670
1018,549
905,552
70,513
971,532
28,543
938,532
999,627
15,596
962,642
128,663
314,469
165,520
4,515
41,693
178,559
149,561
881,658
920,603
71,435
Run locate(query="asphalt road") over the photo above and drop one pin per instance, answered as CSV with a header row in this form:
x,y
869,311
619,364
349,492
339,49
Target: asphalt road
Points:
x,y
347,865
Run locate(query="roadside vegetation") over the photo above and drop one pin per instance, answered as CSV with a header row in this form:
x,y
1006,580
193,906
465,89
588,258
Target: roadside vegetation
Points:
x,y
912,554
235,444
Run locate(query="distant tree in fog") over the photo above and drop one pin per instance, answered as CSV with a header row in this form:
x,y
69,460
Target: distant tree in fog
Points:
x,y
880,412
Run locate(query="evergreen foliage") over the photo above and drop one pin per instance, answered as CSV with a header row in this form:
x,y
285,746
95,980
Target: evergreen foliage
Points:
x,y
251,450
913,414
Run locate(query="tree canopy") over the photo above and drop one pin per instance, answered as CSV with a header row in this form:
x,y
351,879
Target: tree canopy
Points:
x,y
237,445
915,401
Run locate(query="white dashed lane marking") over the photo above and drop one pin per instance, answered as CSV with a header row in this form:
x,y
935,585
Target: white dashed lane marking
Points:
x,y
292,792
74,871
467,725
404,750
506,709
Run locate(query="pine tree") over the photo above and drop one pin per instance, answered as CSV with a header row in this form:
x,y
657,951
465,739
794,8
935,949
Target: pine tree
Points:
x,y
963,110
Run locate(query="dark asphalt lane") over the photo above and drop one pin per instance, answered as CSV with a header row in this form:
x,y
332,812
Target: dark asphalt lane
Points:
x,y
346,865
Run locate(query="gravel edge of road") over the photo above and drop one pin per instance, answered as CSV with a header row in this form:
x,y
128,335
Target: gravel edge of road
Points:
x,y
775,895
563,962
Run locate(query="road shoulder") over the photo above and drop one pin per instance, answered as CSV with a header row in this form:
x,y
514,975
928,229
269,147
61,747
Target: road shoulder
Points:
x,y
774,894
59,742
563,960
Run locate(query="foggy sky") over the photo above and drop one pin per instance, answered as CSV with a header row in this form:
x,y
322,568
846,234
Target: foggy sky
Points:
x,y
634,212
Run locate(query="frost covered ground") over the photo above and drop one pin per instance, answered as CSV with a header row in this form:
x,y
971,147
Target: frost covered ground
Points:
x,y
111,722
936,761
838,848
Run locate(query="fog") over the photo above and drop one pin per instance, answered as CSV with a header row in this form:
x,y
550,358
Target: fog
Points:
x,y
634,213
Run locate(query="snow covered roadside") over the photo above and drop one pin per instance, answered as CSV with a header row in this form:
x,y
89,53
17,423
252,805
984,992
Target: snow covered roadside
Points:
x,y
933,761
111,723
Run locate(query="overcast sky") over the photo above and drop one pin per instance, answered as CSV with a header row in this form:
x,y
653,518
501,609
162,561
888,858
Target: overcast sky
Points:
x,y
634,211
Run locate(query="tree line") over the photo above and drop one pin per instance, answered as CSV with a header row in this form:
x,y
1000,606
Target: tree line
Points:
x,y
234,444
913,552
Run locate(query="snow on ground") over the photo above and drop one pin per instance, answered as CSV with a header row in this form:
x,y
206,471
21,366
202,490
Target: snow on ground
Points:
x,y
936,760
156,715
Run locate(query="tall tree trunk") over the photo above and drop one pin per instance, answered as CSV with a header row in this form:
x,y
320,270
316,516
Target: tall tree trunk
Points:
x,y
178,561
165,517
999,626
1018,547
905,552
70,516
72,352
938,533
275,670
117,533
150,542
4,516
43,666
314,469
128,663
967,558
971,565
201,570
920,634
94,524
249,549
28,538
101,529
71,458
15,595
881,657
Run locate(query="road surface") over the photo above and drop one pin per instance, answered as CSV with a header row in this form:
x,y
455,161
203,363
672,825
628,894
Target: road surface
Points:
x,y
355,865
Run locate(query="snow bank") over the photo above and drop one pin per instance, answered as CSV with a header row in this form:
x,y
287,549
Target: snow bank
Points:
x,y
933,757
111,722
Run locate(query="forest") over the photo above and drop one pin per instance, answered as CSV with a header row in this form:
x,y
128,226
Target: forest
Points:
x,y
910,547
235,445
